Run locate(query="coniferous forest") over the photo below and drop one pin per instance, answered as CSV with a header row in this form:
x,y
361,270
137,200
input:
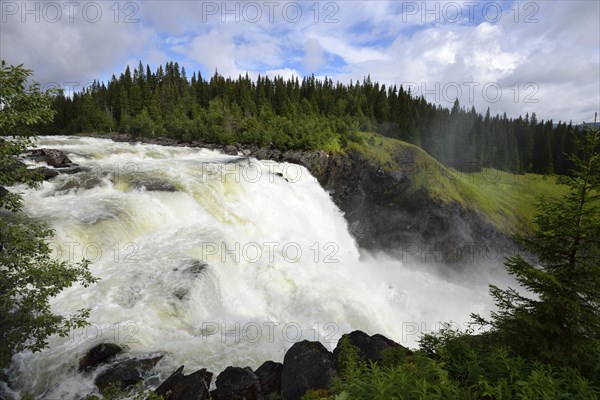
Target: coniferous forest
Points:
x,y
309,114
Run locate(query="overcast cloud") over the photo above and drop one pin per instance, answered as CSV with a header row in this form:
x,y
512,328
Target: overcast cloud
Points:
x,y
541,56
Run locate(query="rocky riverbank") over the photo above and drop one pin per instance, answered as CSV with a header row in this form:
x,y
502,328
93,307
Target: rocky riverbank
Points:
x,y
306,366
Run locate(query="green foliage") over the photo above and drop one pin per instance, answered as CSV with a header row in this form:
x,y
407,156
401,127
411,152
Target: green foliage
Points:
x,y
318,394
417,378
455,365
485,369
30,276
559,321
22,107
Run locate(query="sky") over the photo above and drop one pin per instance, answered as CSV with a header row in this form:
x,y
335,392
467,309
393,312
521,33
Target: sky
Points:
x,y
514,57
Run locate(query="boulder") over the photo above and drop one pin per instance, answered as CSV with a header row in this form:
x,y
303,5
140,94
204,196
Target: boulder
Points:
x,y
269,377
183,387
47,173
54,158
155,185
306,366
370,348
231,150
98,354
126,372
237,383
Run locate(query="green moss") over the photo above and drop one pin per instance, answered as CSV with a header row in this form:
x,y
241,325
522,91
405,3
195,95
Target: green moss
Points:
x,y
507,200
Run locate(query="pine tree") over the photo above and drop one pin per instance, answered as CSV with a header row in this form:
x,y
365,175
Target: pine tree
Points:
x,y
560,323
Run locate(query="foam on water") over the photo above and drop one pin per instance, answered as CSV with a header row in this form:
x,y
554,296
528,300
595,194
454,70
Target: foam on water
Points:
x,y
150,217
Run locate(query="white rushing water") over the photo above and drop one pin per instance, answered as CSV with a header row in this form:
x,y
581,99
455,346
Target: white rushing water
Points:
x,y
281,265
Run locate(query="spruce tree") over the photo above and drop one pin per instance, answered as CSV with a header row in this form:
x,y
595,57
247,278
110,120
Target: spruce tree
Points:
x,y
558,320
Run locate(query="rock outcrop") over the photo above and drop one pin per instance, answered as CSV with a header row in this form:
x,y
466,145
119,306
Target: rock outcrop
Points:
x,y
125,373
269,376
236,383
179,386
98,355
52,157
370,348
306,366
58,161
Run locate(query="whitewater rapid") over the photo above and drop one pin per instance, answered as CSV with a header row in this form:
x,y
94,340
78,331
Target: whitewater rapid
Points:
x,y
215,260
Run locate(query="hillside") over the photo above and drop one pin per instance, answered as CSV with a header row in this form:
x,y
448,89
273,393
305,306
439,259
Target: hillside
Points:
x,y
507,200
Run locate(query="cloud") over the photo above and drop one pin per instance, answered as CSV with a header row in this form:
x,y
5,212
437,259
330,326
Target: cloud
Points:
x,y
214,51
313,55
77,47
554,61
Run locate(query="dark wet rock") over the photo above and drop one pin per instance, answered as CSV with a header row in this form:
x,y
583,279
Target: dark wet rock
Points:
x,y
155,185
231,150
54,158
237,383
181,293
306,366
263,154
195,268
47,173
370,348
79,182
98,355
179,386
279,174
70,169
3,191
126,372
269,377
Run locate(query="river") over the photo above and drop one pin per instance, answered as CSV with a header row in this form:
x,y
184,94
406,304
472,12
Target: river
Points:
x,y
216,260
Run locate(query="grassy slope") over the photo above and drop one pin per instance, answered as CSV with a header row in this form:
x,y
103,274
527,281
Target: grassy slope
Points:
x,y
508,200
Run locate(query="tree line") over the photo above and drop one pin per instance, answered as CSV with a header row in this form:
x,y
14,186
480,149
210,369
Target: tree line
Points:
x,y
309,114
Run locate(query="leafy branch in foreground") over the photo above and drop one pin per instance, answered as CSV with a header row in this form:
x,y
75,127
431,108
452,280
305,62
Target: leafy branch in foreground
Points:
x,y
30,277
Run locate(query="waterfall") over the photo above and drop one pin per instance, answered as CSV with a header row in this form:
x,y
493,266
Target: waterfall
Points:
x,y
215,260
